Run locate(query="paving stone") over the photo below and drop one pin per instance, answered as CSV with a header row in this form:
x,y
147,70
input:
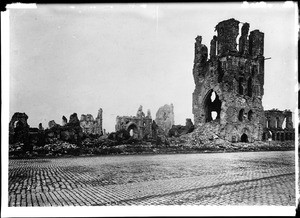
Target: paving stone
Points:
x,y
252,178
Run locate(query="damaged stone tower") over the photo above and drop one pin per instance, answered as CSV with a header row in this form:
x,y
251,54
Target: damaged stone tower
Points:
x,y
229,85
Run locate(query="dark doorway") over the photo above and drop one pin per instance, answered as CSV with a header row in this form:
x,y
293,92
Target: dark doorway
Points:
x,y
244,138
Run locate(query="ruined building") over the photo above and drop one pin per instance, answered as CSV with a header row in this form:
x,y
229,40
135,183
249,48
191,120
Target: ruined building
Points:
x,y
18,121
165,118
21,132
229,85
19,129
139,126
278,125
90,125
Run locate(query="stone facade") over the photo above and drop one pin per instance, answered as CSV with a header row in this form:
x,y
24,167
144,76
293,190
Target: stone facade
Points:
x,y
229,85
139,126
278,125
90,125
165,118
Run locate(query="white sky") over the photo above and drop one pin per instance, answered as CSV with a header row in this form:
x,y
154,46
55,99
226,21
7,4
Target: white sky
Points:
x,y
78,58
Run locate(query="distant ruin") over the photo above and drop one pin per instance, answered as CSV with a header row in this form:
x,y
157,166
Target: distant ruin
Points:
x,y
139,126
90,125
278,125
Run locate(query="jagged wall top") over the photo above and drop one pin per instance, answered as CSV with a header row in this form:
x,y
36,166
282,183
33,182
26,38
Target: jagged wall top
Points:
x,y
225,42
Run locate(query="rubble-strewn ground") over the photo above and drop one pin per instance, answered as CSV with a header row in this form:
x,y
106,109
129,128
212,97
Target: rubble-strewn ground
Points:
x,y
239,178
185,144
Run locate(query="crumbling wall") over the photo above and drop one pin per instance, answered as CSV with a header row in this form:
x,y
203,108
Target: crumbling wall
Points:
x,y
90,125
179,130
64,121
70,132
165,118
139,126
229,85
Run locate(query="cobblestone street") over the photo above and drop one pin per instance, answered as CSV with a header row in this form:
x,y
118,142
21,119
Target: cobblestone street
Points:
x,y
249,178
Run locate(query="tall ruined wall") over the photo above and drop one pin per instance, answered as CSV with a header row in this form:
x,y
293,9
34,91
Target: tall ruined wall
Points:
x,y
165,118
90,125
229,85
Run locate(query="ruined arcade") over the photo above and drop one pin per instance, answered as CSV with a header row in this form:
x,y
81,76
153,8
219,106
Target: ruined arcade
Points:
x,y
229,85
278,125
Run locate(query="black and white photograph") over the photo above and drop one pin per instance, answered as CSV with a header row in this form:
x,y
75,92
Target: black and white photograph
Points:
x,y
150,109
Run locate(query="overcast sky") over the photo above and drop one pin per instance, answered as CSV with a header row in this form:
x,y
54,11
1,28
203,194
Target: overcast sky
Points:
x,y
78,58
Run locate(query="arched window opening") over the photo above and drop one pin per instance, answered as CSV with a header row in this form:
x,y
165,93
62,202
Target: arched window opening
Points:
x,y
268,123
241,115
270,135
249,88
18,124
250,115
283,126
277,122
241,89
244,138
264,136
273,136
282,136
131,132
214,115
213,96
212,106
220,72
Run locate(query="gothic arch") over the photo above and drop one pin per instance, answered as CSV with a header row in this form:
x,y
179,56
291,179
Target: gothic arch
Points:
x,y
211,105
132,129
